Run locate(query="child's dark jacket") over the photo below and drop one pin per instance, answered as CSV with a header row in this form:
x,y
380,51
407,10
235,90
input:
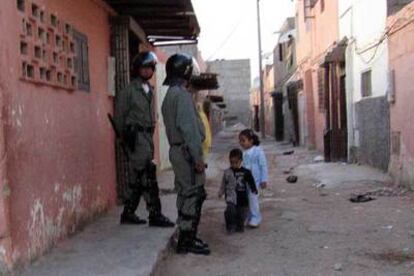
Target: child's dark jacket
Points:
x,y
234,186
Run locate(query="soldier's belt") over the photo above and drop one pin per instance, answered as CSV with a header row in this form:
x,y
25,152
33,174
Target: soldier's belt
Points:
x,y
177,144
145,129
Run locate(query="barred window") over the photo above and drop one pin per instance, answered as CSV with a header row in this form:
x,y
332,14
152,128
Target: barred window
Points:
x,y
81,62
366,84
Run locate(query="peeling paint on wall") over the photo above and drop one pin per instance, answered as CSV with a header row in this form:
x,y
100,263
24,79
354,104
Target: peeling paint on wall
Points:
x,y
57,187
73,198
45,230
402,168
3,262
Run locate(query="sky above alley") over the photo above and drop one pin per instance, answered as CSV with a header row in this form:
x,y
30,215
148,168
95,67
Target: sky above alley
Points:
x,y
229,28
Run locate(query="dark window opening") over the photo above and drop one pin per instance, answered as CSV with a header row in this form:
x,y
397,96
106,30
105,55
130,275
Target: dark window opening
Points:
x,y
37,52
42,73
67,28
42,16
55,58
69,63
48,75
322,5
60,77
21,5
58,41
30,71
41,34
35,11
24,48
366,84
29,30
81,61
53,20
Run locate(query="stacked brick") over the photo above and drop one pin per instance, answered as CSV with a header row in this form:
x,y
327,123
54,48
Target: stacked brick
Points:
x,y
47,47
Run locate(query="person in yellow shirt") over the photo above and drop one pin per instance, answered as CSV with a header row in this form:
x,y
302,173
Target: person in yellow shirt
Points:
x,y
206,146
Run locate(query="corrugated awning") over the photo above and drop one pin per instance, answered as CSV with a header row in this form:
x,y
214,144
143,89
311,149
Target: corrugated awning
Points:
x,y
163,21
205,81
215,98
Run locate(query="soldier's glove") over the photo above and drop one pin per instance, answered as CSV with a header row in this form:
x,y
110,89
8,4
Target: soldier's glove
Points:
x,y
200,166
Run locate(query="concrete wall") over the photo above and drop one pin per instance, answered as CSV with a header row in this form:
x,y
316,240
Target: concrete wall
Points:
x,y
401,53
59,144
315,37
367,50
374,126
234,81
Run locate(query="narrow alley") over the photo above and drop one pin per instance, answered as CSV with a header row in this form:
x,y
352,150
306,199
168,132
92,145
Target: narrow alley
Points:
x,y
309,227
117,119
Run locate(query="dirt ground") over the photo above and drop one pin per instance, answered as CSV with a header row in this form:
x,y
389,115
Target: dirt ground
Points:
x,y
309,227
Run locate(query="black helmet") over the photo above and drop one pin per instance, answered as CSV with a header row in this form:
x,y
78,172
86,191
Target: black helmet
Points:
x,y
179,66
144,59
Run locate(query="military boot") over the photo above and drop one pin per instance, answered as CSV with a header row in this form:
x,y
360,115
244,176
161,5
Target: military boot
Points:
x,y
128,217
187,244
160,221
201,242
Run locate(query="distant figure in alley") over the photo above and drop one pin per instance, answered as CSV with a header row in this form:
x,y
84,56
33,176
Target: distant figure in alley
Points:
x,y
185,133
134,118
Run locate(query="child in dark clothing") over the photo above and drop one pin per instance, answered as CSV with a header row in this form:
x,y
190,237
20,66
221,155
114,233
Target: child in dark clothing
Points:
x,y
236,182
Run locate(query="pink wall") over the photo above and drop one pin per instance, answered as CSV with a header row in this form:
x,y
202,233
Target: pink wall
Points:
x,y
314,39
401,54
60,146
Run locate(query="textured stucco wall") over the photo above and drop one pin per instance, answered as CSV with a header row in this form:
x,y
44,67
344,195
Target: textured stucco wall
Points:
x,y
401,52
374,131
315,37
60,145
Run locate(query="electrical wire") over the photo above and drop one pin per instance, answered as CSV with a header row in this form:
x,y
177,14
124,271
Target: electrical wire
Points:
x,y
389,30
226,39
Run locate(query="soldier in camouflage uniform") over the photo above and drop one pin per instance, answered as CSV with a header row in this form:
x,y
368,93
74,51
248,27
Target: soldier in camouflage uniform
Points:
x,y
185,133
134,118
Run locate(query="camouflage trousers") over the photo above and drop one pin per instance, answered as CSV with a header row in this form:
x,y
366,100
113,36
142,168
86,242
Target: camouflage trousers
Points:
x,y
190,190
142,183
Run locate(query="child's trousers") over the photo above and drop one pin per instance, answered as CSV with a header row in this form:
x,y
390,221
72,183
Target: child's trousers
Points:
x,y
235,217
255,218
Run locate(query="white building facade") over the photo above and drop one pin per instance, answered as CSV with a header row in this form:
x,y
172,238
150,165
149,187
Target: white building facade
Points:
x,y
363,23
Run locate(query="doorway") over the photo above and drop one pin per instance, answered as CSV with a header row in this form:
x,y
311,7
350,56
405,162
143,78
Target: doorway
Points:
x,y
336,134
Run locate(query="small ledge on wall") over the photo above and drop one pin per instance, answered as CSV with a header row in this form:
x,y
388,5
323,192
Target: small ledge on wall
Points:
x,y
46,47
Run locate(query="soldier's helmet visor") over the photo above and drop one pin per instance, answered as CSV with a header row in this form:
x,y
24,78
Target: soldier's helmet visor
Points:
x,y
149,60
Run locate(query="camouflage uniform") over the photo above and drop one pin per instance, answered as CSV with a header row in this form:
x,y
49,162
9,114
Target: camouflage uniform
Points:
x,y
185,133
134,117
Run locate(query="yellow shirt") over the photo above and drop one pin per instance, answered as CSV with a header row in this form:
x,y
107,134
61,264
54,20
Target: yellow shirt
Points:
x,y
207,142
